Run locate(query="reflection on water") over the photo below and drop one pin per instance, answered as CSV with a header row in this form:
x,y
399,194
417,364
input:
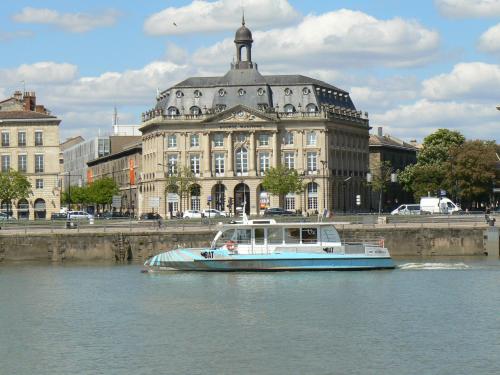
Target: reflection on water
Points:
x,y
94,319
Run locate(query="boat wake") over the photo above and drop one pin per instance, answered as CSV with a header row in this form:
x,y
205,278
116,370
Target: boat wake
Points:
x,y
433,266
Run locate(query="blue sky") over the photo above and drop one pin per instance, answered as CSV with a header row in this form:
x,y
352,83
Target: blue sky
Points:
x,y
414,66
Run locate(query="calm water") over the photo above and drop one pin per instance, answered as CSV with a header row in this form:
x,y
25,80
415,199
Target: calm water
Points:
x,y
93,319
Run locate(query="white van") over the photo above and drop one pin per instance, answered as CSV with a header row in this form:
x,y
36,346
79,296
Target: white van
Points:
x,y
407,209
435,205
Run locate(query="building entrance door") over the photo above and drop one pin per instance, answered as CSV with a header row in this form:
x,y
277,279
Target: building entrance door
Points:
x,y
242,198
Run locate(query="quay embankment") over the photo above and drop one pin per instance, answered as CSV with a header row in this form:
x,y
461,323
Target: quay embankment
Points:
x,y
138,244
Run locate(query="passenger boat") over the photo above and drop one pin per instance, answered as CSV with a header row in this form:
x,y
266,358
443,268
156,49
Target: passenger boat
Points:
x,y
264,245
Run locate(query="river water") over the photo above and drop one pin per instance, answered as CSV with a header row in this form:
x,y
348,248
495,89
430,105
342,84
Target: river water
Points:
x,y
426,317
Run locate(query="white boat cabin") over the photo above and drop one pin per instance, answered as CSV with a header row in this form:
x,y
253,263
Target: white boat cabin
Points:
x,y
267,236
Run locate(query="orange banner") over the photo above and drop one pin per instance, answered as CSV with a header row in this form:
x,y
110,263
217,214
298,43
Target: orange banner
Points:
x,y
90,176
131,171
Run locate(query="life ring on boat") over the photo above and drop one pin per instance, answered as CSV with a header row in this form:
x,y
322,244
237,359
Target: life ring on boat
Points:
x,y
230,245
381,242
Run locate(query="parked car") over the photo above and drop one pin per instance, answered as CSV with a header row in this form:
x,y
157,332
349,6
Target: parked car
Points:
x,y
150,216
59,216
5,216
278,211
407,209
79,215
192,214
213,213
115,215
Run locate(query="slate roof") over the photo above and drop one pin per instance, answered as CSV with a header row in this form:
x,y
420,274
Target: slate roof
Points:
x,y
21,115
388,141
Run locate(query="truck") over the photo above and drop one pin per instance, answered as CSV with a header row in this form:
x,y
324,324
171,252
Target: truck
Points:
x,y
438,205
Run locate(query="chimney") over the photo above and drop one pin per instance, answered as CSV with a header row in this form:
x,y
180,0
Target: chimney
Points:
x,y
379,131
29,101
18,95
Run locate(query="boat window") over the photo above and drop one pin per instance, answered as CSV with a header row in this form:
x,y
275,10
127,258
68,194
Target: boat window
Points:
x,y
274,236
329,234
243,236
309,235
259,236
227,235
292,235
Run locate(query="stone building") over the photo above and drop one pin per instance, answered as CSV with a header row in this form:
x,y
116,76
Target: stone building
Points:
x,y
230,130
124,166
30,144
400,154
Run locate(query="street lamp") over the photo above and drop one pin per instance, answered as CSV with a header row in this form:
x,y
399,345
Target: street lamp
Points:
x,y
345,195
324,163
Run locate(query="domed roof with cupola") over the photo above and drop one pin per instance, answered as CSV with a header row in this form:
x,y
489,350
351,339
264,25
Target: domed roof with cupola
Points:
x,y
243,34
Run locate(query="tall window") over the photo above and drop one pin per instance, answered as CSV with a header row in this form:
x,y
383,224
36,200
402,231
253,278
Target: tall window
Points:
x,y
312,161
5,139
311,139
39,183
263,139
290,201
195,140
219,164
288,138
38,138
241,137
39,165
195,197
218,139
22,163
5,163
241,160
289,159
172,164
194,161
172,141
21,139
264,162
312,196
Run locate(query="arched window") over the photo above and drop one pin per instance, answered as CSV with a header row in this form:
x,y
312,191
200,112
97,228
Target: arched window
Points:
x,y
40,209
312,108
288,108
241,160
23,209
194,110
172,111
312,196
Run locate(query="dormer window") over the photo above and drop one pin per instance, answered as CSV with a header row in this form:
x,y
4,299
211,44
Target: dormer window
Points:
x,y
179,94
172,111
194,110
306,91
222,92
289,108
241,92
197,93
261,91
288,92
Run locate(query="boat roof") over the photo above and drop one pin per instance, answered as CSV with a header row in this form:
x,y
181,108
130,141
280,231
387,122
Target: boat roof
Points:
x,y
268,223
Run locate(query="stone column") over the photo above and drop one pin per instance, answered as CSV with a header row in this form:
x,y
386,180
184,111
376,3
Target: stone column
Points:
x,y
230,153
276,152
299,138
206,154
251,165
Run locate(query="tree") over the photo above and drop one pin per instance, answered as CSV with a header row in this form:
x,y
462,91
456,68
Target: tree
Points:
x,y
381,179
180,183
436,146
280,181
101,191
13,186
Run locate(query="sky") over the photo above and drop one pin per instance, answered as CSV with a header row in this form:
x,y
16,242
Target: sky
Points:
x,y
414,66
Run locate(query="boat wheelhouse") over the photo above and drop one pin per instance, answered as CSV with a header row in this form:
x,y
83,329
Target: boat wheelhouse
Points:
x,y
264,245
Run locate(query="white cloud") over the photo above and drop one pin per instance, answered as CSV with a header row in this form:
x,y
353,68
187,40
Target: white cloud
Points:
x,y
73,22
340,37
205,16
40,72
423,117
6,36
469,8
490,40
474,80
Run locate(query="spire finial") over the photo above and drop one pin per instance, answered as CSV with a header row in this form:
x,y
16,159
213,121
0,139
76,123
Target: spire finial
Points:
x,y
243,17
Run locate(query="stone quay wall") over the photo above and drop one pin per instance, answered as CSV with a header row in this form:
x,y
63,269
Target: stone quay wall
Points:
x,y
139,246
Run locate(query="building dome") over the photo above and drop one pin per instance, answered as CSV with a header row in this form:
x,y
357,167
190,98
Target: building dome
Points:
x,y
243,34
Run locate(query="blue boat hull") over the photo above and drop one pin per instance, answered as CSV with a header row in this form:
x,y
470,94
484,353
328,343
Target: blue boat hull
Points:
x,y
187,261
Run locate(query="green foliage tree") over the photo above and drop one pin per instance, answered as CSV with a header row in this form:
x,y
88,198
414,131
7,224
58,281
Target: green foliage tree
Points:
x,y
472,170
13,186
381,178
280,181
180,183
436,146
100,191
